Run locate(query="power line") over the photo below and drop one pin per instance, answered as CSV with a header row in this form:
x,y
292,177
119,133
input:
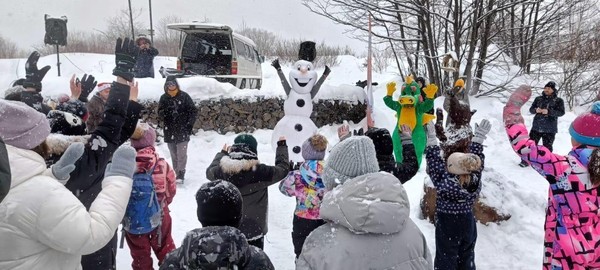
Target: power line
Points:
x,y
74,64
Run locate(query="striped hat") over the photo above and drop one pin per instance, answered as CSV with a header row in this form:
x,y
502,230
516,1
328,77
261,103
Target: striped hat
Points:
x,y
585,129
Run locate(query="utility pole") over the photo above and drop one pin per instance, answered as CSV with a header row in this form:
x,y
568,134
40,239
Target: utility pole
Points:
x,y
151,28
131,21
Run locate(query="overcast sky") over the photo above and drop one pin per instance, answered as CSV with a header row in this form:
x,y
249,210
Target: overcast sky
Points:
x,y
22,21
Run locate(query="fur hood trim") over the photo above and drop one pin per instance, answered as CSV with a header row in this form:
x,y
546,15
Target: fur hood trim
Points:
x,y
234,166
58,143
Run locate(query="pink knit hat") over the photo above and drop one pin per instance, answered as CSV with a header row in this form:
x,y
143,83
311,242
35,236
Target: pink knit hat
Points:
x,y
143,136
22,126
585,129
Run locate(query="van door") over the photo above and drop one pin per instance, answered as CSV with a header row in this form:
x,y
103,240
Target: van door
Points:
x,y
206,48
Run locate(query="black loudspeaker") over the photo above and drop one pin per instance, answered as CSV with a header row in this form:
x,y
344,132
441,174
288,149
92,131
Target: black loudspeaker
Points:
x,y
308,51
56,30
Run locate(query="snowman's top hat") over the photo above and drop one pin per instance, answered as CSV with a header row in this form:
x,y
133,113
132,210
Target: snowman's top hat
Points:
x,y
307,51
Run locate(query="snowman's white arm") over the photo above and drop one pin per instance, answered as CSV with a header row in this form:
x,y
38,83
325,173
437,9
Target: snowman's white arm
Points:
x,y
286,86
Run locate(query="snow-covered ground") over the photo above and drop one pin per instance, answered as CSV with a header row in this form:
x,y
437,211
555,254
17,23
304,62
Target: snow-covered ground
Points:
x,y
514,244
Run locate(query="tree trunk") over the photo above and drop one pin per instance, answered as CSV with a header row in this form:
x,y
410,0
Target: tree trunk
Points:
x,y
472,43
533,36
485,40
411,65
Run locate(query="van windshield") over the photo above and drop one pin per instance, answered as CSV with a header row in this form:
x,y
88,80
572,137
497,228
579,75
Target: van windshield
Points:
x,y
207,53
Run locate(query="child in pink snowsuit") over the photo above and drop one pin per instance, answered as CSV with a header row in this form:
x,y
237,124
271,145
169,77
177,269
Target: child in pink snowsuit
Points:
x,y
572,227
159,240
306,185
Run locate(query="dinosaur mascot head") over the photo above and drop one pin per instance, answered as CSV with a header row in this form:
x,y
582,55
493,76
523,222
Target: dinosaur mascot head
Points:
x,y
410,92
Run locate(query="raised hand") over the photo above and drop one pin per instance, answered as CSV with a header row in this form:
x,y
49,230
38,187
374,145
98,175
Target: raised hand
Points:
x,y
439,125
126,53
481,130
430,91
431,137
75,86
343,132
62,168
87,85
33,75
511,113
134,90
391,88
405,134
327,71
276,64
123,162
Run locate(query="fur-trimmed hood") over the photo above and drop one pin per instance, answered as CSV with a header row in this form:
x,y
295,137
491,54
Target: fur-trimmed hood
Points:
x,y
58,143
234,166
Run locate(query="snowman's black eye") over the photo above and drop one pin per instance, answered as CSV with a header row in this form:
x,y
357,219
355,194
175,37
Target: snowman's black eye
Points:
x,y
308,68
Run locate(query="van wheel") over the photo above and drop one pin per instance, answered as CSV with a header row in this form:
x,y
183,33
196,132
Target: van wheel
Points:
x,y
243,84
258,83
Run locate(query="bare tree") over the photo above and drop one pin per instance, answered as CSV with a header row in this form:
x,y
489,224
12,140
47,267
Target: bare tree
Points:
x,y
167,40
9,49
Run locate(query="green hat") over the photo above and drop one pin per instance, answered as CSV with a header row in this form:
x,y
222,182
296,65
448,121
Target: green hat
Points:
x,y
247,139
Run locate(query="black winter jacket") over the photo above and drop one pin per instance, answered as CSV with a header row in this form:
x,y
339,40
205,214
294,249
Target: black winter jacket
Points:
x,y
556,108
216,247
144,65
178,115
119,122
403,171
5,177
252,179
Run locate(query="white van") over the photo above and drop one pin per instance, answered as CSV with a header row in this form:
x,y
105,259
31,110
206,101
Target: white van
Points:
x,y
214,50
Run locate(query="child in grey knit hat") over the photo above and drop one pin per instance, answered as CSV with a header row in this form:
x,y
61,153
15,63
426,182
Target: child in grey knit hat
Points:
x,y
306,185
367,214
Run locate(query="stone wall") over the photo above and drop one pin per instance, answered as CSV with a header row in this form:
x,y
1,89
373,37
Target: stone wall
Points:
x,y
249,114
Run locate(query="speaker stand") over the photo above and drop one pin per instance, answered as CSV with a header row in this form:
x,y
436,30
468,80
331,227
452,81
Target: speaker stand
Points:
x,y
57,60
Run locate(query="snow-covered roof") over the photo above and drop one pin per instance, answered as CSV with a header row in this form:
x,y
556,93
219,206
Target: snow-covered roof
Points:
x,y
244,39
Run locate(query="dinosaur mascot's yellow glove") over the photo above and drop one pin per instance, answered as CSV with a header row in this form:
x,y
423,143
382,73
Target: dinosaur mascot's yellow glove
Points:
x,y
430,91
391,88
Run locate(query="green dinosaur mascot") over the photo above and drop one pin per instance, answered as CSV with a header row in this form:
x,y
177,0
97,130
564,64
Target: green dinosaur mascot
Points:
x,y
411,110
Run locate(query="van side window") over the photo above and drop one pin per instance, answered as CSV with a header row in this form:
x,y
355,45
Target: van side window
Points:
x,y
257,56
240,48
250,53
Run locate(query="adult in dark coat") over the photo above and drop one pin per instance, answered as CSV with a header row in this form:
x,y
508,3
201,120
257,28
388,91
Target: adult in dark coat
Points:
x,y
144,66
239,165
121,114
177,113
4,171
218,243
547,109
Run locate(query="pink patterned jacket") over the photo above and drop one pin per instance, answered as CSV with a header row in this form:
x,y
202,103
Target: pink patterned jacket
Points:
x,y
163,176
307,186
572,227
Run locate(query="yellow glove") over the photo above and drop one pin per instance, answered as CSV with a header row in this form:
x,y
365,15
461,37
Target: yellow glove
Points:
x,y
430,91
391,88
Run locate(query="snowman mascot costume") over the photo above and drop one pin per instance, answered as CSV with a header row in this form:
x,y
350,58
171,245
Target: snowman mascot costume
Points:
x,y
296,124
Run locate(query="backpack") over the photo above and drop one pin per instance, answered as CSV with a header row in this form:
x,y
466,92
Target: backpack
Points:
x,y
144,212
